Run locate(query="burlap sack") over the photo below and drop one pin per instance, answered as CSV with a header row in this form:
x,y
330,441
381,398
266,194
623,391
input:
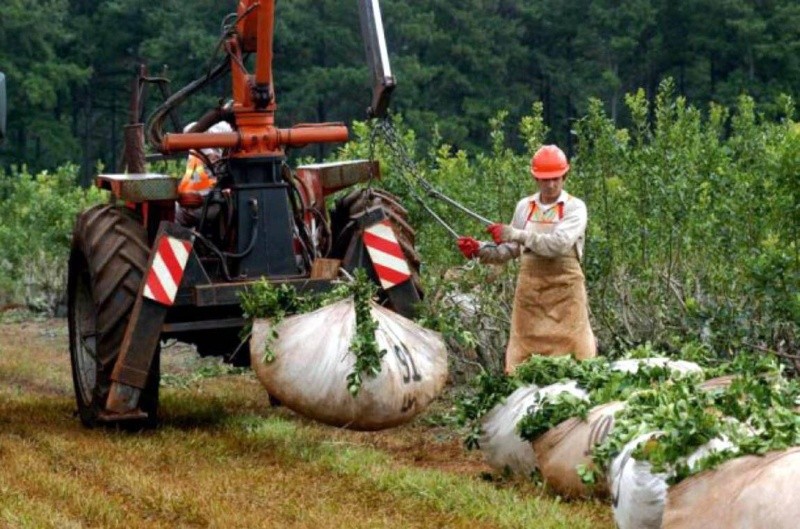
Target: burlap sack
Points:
x,y
717,383
502,447
500,442
313,360
561,449
638,494
676,367
745,493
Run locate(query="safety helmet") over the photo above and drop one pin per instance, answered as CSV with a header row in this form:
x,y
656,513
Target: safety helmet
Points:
x,y
549,162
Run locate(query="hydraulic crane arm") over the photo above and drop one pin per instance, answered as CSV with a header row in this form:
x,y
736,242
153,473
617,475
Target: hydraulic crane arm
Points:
x,y
383,82
254,102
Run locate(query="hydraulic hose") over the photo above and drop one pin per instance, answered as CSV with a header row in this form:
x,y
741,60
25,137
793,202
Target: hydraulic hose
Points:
x,y
155,122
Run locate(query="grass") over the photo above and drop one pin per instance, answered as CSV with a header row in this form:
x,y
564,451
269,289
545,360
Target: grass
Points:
x,y
223,458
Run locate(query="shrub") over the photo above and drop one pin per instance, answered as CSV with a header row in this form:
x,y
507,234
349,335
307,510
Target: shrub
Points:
x,y
35,233
693,221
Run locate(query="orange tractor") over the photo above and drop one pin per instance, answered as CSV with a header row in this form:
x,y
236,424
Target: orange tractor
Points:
x,y
137,276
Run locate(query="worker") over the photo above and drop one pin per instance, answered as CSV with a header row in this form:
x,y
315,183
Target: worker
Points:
x,y
550,314
198,180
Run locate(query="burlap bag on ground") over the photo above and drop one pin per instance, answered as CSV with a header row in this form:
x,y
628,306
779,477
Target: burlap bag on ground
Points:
x,y
749,492
313,359
638,495
717,383
550,315
561,449
500,442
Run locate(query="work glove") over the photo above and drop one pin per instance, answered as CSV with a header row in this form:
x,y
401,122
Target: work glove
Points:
x,y
469,247
505,233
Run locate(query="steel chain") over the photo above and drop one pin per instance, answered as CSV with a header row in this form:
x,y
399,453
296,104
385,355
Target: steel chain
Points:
x,y
408,168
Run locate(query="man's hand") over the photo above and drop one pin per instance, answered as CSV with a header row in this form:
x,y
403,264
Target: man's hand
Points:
x,y
499,232
468,246
506,233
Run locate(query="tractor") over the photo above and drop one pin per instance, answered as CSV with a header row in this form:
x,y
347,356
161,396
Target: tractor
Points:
x,y
137,276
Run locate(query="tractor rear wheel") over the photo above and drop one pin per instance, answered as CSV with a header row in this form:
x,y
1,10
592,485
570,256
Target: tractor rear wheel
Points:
x,y
107,262
358,201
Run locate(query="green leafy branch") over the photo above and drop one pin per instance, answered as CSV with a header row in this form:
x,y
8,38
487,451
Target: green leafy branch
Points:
x,y
550,411
755,413
364,346
274,302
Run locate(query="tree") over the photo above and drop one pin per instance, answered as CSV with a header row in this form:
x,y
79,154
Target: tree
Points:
x,y
33,40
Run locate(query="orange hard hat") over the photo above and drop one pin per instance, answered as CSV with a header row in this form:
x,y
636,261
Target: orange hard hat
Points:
x,y
549,162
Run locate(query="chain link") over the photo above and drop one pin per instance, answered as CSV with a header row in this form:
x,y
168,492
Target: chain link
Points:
x,y
409,171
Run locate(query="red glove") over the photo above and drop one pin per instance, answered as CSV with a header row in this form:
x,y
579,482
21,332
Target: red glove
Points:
x,y
497,232
469,247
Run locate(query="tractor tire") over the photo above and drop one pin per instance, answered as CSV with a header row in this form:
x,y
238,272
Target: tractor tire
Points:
x,y
107,263
356,202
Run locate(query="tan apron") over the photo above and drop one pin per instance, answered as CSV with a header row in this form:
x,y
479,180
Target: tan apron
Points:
x,y
551,314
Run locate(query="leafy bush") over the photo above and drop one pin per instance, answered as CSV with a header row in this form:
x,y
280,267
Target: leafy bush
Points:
x,y
693,236
35,234
694,219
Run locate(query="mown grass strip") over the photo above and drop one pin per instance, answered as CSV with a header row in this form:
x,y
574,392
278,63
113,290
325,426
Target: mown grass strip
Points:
x,y
440,491
218,461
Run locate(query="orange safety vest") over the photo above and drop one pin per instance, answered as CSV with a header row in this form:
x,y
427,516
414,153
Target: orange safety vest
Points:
x,y
196,179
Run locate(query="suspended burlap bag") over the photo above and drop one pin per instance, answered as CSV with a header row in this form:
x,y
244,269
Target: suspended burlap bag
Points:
x,y
561,449
501,444
748,492
638,494
313,360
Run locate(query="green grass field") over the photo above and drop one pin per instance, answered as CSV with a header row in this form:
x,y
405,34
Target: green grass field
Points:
x,y
223,458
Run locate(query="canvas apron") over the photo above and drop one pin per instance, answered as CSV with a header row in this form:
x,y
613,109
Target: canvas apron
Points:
x,y
551,311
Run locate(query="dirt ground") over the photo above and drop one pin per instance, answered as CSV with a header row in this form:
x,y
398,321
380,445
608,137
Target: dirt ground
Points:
x,y
201,398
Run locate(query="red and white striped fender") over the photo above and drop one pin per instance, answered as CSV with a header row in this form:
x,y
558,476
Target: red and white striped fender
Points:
x,y
387,256
166,272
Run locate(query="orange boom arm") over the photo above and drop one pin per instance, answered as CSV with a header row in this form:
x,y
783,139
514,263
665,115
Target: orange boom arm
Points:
x,y
254,97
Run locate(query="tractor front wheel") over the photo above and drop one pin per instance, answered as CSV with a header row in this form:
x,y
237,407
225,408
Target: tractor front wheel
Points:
x,y
107,262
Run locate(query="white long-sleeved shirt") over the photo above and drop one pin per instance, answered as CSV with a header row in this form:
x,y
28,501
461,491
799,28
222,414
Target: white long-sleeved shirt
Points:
x,y
542,233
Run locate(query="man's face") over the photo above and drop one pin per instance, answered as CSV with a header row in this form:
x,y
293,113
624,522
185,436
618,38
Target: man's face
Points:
x,y
550,188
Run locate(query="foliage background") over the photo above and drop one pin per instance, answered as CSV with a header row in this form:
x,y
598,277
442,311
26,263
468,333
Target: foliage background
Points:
x,y
69,63
691,185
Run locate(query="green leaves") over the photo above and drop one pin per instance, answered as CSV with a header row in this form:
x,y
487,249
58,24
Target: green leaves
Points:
x,y
488,391
755,414
551,411
364,346
35,233
266,300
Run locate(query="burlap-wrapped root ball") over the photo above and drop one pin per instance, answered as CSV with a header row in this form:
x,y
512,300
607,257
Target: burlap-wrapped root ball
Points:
x,y
313,359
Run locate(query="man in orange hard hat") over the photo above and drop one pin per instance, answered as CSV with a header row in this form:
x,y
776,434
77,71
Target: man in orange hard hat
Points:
x,y
550,314
198,179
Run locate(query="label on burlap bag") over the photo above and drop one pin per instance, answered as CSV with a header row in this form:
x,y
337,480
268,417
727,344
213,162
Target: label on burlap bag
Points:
x,y
313,359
